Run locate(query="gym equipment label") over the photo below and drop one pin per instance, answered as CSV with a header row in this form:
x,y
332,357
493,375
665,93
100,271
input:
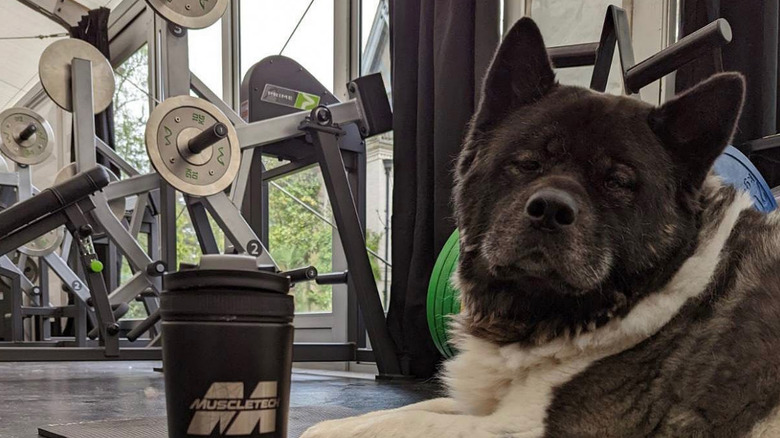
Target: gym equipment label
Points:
x,y
224,405
287,97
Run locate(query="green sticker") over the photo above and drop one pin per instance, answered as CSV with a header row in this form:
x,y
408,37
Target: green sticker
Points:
x,y
306,101
287,97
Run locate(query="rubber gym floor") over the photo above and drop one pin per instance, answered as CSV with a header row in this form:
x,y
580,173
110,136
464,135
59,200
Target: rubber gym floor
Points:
x,y
39,394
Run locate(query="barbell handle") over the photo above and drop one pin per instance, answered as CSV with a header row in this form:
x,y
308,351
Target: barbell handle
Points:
x,y
208,137
28,132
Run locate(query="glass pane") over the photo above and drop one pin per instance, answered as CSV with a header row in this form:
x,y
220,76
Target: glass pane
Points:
x,y
131,109
375,58
205,52
187,246
566,22
266,27
300,235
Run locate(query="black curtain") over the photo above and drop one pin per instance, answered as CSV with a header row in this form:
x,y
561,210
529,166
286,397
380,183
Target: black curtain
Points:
x,y
93,28
439,49
753,51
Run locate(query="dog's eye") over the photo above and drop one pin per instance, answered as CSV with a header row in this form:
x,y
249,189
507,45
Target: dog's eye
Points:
x,y
618,181
526,166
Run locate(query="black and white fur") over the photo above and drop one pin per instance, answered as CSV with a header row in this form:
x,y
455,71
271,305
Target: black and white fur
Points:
x,y
654,312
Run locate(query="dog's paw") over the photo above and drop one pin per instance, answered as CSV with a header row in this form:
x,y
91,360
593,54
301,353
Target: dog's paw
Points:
x,y
373,425
345,427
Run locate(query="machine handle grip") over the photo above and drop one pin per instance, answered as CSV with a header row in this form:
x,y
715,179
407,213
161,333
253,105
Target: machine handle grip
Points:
x,y
333,278
709,37
144,326
574,55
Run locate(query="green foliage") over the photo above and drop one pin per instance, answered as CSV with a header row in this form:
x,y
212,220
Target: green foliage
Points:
x,y
131,109
297,238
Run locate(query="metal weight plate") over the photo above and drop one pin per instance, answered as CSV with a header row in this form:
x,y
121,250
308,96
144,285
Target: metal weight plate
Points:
x,y
25,136
54,71
44,244
171,126
190,14
736,169
117,206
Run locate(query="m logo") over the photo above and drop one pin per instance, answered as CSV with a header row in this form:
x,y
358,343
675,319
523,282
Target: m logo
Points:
x,y
224,405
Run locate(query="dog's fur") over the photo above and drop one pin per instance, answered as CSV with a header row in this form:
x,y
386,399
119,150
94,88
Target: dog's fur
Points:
x,y
655,313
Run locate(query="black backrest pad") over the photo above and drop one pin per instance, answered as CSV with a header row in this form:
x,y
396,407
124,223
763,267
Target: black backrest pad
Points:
x,y
370,90
52,200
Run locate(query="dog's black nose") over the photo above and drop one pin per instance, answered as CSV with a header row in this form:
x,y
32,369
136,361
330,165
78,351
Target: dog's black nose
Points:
x,y
551,209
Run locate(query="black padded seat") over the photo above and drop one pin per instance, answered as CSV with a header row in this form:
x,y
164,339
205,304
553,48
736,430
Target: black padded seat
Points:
x,y
52,200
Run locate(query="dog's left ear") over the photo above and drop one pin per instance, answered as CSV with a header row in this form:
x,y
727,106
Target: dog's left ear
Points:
x,y
519,74
696,126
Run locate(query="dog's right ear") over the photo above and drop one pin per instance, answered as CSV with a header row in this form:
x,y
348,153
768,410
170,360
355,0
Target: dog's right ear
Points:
x,y
519,74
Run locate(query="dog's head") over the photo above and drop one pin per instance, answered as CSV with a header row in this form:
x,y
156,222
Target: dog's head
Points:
x,y
571,198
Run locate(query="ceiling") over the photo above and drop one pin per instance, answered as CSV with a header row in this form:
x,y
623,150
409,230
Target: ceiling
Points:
x,y
19,57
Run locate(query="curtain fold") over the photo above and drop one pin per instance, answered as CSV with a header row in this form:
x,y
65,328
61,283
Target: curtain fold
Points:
x,y
437,50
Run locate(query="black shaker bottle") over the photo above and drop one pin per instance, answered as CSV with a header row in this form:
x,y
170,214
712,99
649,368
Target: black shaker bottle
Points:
x,y
227,348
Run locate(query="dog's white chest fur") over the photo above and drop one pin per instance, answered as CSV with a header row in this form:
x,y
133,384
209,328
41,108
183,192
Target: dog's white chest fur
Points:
x,y
518,382
505,391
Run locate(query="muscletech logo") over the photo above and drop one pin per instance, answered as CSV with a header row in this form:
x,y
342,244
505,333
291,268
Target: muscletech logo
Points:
x,y
224,405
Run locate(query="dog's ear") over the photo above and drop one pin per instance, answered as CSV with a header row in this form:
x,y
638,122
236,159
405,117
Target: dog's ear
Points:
x,y
696,126
519,74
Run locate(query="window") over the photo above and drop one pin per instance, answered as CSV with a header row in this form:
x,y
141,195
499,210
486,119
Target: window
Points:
x,y
205,53
375,58
266,28
565,22
300,231
131,109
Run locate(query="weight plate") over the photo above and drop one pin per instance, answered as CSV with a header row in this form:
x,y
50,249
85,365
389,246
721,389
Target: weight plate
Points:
x,y
171,125
736,169
190,14
442,299
117,206
45,244
54,71
16,123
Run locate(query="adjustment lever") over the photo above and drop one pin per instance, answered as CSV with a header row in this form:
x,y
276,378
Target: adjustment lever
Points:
x,y
301,274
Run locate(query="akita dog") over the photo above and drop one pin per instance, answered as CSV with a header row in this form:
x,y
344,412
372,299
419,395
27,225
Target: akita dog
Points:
x,y
611,285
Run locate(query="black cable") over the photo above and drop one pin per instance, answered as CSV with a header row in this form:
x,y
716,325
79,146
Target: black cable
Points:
x,y
296,26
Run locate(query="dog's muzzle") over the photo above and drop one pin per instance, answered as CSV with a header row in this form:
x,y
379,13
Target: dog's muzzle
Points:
x,y
551,210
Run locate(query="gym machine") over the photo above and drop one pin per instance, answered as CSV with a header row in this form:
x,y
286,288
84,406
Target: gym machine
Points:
x,y
188,167
68,204
79,79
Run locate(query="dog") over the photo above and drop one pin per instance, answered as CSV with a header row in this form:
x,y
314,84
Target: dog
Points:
x,y
611,284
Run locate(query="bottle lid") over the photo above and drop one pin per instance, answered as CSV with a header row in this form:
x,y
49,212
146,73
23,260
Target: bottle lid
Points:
x,y
227,271
226,287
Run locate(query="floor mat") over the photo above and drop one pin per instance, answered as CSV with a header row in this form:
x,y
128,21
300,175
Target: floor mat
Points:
x,y
301,418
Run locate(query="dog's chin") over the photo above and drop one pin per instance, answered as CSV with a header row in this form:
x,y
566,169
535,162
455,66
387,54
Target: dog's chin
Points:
x,y
537,273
